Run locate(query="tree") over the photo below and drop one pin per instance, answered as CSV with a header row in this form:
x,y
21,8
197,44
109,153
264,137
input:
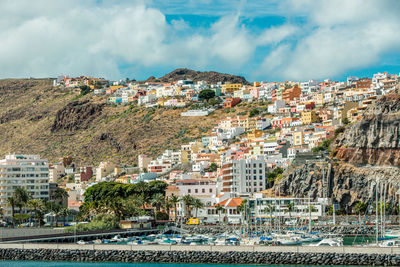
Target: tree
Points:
x,y
59,195
35,205
21,196
242,209
197,204
143,188
219,208
289,208
56,209
188,201
12,202
157,202
174,201
360,207
345,121
213,167
254,112
84,90
65,212
206,94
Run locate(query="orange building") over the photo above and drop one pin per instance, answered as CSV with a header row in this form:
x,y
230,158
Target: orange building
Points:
x,y
231,102
291,93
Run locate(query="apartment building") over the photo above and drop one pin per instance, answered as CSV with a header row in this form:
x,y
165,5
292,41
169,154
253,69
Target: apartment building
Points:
x,y
28,171
244,177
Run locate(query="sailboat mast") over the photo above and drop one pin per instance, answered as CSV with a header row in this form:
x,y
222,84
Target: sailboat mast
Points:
x,y
376,212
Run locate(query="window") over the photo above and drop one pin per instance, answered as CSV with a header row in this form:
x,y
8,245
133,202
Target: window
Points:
x,y
196,191
254,171
189,191
254,165
260,177
255,177
210,190
260,165
203,190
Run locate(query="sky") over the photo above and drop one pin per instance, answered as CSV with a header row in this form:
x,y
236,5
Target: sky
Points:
x,y
262,40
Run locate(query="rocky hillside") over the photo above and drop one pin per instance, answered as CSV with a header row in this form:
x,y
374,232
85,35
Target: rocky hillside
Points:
x,y
345,183
37,118
375,139
209,76
367,151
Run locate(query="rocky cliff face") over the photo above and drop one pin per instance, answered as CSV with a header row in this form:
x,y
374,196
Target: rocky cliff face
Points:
x,y
76,115
375,139
344,183
367,151
209,76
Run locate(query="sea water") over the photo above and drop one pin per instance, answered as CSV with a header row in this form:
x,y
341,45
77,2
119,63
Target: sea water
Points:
x,y
112,264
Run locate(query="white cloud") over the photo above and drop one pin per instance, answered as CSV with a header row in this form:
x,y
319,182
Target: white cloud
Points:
x,y
338,36
91,39
48,38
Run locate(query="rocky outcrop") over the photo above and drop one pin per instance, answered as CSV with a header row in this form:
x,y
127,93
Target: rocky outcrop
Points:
x,y
76,115
375,139
209,76
345,183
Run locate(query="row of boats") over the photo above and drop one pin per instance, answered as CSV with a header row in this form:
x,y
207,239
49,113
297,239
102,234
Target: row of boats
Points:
x,y
283,239
288,238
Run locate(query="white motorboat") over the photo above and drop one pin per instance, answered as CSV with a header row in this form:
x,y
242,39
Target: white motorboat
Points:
x,y
395,243
329,242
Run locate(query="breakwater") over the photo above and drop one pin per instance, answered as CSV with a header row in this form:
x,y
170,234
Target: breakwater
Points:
x,y
207,254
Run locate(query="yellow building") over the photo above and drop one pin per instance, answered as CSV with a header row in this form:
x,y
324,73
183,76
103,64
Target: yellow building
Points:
x,y
251,124
298,138
230,87
308,117
115,87
254,135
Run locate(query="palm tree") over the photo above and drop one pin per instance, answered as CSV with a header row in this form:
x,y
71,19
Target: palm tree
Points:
x,y
157,202
197,204
242,209
56,209
290,208
360,208
22,196
65,212
188,201
35,205
59,195
143,188
174,201
219,208
12,202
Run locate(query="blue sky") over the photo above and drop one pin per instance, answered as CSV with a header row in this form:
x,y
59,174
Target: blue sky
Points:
x,y
261,40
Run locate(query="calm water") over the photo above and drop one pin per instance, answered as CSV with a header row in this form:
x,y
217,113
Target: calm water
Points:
x,y
77,264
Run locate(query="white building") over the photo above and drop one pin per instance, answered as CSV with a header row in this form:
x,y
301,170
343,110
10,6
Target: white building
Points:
x,y
244,177
56,171
28,171
104,169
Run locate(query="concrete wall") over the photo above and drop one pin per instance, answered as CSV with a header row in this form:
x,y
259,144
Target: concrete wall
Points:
x,y
298,249
17,232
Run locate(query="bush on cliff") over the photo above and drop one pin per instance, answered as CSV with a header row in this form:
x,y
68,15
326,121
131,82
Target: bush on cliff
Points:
x,y
99,222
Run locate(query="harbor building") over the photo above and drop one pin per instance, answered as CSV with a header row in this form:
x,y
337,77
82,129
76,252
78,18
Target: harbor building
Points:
x,y
28,171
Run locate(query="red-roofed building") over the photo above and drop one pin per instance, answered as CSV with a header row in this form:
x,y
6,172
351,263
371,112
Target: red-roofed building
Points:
x,y
228,214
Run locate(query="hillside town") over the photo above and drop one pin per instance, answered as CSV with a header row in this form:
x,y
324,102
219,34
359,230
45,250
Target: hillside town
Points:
x,y
240,159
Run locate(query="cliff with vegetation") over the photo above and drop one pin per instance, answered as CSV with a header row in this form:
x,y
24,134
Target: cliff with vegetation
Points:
x,y
37,118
